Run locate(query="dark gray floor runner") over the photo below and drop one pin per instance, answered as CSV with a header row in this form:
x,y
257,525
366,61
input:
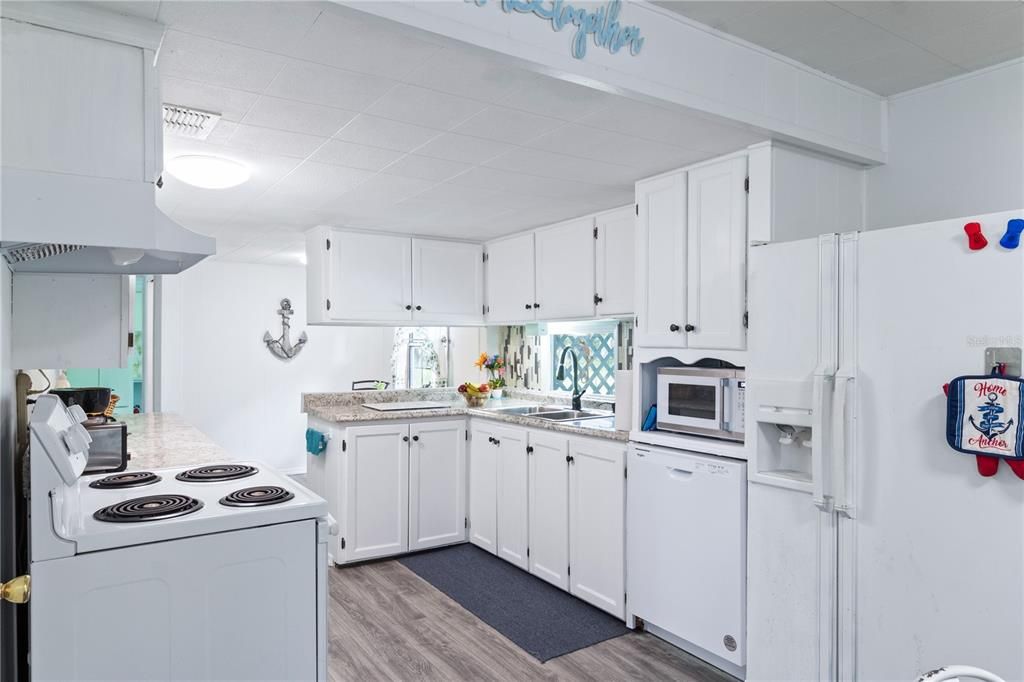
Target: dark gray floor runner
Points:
x,y
540,618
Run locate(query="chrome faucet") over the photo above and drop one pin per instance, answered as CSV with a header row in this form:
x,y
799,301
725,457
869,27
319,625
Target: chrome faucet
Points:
x,y
560,375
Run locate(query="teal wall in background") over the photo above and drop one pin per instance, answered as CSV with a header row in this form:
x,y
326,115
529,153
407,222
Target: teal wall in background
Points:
x,y
126,383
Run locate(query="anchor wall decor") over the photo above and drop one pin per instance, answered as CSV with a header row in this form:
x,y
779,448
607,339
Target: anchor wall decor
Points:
x,y
282,347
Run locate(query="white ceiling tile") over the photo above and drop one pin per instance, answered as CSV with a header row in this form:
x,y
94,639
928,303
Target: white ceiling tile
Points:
x,y
246,254
386,188
271,26
555,98
468,73
230,104
917,20
145,9
714,13
777,25
312,185
832,50
318,84
508,125
526,185
273,141
550,164
209,61
421,106
453,147
605,146
354,155
385,133
426,168
916,66
983,41
359,42
300,117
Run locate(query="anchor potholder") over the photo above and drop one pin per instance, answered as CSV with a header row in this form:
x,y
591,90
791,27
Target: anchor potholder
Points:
x,y
985,416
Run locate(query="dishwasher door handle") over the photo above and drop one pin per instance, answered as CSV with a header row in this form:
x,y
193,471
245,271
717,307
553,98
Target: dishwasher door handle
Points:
x,y
679,474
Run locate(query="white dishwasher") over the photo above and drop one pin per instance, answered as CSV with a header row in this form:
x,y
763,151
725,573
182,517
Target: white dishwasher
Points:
x,y
686,539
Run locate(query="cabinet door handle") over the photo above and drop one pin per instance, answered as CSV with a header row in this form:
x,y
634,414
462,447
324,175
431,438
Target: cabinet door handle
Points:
x,y
536,305
416,439
419,307
405,439
408,307
690,328
673,327
529,307
597,299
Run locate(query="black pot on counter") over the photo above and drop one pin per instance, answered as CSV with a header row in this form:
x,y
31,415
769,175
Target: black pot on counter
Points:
x,y
93,399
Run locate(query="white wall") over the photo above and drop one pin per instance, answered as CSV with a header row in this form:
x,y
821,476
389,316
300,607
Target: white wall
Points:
x,y
955,149
216,371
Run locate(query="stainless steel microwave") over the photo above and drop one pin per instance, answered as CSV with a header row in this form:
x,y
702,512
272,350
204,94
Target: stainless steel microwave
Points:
x,y
702,401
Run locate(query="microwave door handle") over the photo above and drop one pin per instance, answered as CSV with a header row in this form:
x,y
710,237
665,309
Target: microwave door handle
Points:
x,y
724,406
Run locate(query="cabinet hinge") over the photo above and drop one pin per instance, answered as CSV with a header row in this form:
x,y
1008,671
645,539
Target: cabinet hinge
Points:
x,y
344,445
746,185
467,434
343,543
568,570
484,256
483,310
465,522
328,304
328,244
625,473
638,209
746,319
595,232
625,597
527,552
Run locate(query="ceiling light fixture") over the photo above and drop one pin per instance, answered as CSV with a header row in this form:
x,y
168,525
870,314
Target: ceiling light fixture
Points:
x,y
208,172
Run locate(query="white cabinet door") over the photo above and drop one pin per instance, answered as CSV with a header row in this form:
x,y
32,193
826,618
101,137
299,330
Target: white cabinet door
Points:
x,y
510,283
597,513
565,270
437,484
377,491
447,281
661,261
483,488
616,238
369,277
549,508
513,494
717,255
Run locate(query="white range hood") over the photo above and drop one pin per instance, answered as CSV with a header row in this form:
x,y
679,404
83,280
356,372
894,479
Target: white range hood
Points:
x,y
82,134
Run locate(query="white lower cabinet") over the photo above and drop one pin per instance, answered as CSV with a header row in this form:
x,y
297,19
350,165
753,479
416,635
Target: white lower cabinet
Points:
x,y
483,487
376,488
437,490
513,494
395,488
597,520
549,508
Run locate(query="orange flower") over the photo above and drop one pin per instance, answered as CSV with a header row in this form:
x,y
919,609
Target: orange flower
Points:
x,y
480,361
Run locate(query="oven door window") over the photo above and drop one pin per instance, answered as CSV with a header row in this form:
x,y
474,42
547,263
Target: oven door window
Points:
x,y
693,401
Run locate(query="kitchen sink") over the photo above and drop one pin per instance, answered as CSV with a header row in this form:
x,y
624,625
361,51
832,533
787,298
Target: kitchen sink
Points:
x,y
529,409
572,415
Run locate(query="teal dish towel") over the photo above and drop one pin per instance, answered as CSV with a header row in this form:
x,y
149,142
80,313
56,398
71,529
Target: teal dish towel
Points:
x,y
316,442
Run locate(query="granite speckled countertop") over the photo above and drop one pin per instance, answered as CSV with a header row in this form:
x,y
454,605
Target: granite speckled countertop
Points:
x,y
164,439
347,407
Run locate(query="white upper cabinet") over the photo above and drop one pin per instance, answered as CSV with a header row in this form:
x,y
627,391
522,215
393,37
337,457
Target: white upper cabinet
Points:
x,y
510,280
661,261
366,278
615,266
446,278
565,270
369,277
716,255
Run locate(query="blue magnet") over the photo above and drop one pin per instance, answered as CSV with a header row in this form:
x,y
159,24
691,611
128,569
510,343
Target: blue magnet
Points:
x,y
1011,240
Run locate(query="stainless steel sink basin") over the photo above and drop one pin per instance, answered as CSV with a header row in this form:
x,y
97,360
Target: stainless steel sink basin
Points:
x,y
529,409
572,415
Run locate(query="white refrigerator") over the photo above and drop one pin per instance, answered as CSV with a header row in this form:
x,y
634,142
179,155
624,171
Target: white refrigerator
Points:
x,y
875,551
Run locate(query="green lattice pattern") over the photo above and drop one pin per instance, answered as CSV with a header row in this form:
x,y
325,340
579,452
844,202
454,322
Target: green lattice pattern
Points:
x,y
597,374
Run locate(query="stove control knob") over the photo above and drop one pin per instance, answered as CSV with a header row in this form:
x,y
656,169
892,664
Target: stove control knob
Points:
x,y
75,441
17,590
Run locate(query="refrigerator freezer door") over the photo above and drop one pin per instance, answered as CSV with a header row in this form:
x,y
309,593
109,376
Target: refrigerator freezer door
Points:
x,y
930,570
791,539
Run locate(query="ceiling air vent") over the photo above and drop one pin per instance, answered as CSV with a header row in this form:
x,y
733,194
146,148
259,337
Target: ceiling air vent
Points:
x,y
24,253
191,123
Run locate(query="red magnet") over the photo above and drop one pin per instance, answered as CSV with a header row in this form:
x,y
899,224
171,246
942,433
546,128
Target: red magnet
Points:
x,y
975,239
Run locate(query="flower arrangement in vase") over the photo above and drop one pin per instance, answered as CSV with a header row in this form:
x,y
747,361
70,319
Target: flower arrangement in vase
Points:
x,y
495,366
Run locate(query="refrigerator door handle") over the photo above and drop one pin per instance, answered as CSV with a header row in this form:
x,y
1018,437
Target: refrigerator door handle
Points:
x,y
840,465
819,468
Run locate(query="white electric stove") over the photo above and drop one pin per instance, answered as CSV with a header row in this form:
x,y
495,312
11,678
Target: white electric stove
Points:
x,y
188,573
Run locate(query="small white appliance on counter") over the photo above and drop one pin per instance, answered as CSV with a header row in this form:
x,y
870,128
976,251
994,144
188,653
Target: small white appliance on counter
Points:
x,y
702,401
686,519
210,573
879,552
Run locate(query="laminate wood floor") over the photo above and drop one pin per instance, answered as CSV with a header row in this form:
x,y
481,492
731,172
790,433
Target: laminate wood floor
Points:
x,y
387,623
